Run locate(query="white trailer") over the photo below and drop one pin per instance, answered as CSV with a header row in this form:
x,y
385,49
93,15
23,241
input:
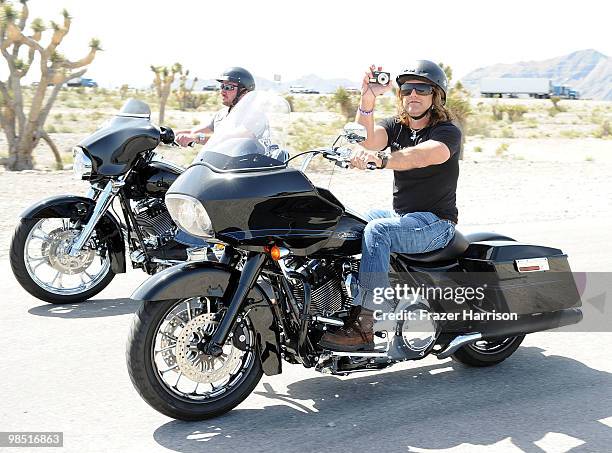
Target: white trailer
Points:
x,y
514,86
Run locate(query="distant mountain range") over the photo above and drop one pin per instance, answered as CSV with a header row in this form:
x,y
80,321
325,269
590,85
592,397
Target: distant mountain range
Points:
x,y
588,71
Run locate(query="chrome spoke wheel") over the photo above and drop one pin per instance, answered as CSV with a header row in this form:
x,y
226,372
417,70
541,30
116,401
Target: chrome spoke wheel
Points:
x,y
49,264
179,362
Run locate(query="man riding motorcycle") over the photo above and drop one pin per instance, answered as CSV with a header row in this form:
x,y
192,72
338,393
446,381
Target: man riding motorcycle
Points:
x,y
424,149
235,83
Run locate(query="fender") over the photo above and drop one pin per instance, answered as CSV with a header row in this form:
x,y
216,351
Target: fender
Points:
x,y
74,206
206,278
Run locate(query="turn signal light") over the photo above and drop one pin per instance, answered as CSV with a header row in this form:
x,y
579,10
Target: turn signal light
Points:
x,y
276,252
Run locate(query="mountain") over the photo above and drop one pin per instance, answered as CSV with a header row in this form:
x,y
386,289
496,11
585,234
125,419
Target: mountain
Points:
x,y
588,71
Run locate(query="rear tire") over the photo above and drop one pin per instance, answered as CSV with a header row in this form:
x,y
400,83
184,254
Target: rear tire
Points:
x,y
20,270
144,373
487,352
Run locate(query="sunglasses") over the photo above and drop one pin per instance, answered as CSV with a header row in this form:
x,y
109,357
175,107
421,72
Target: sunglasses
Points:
x,y
228,87
422,89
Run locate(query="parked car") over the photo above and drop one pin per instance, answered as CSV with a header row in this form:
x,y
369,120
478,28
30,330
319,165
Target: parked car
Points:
x,y
210,88
82,82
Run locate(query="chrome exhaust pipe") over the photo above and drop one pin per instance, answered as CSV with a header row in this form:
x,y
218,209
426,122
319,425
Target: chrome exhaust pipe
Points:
x,y
457,342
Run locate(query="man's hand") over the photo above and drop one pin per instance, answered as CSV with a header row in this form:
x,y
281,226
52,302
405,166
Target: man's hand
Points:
x,y
184,139
361,157
371,90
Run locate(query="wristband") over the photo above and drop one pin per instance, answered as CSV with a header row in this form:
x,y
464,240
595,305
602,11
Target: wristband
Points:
x,y
365,112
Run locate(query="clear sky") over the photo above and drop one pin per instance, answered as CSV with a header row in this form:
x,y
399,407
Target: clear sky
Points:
x,y
331,38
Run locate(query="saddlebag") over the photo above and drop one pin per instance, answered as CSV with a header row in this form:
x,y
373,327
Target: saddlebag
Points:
x,y
520,278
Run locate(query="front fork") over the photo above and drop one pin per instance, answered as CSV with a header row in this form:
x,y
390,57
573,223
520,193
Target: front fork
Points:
x,y
103,202
252,267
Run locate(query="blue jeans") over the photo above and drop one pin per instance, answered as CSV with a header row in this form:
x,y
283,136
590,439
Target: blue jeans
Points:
x,y
387,231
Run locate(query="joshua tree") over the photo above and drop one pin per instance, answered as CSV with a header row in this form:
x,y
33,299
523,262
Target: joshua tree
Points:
x,y
164,77
187,99
25,129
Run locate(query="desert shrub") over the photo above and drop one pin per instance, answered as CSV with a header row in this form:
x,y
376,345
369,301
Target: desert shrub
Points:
x,y
604,131
58,117
290,100
51,129
555,102
346,102
478,125
502,149
507,132
516,112
497,111
570,133
477,149
304,135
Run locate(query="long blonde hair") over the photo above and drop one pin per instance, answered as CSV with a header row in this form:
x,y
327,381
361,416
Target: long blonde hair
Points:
x,y
438,113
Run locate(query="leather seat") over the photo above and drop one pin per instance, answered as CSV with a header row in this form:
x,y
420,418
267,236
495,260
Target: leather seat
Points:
x,y
453,250
456,247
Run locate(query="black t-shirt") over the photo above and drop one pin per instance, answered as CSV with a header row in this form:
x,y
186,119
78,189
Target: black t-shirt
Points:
x,y
430,189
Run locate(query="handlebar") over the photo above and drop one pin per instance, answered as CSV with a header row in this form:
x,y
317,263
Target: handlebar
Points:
x,y
341,157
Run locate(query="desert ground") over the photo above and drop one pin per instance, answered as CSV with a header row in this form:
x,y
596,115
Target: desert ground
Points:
x,y
65,365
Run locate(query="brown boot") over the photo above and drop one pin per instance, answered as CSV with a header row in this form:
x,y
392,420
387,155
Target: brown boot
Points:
x,y
357,333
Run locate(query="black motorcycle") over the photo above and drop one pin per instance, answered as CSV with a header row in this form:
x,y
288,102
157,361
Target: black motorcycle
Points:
x,y
207,331
69,248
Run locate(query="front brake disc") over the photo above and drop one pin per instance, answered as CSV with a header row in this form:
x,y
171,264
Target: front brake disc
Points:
x,y
196,365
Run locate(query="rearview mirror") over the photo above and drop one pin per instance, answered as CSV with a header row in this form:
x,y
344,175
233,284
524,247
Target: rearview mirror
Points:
x,y
355,132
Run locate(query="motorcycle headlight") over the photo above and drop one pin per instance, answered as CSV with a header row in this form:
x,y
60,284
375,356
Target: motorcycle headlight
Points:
x,y
81,166
189,215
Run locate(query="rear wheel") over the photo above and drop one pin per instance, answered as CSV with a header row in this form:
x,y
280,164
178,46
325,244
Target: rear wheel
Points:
x,y
169,369
488,352
42,265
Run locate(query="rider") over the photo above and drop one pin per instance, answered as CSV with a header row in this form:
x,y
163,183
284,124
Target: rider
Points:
x,y
235,83
424,148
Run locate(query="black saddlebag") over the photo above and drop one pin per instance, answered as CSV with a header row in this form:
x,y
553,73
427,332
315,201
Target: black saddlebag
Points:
x,y
520,278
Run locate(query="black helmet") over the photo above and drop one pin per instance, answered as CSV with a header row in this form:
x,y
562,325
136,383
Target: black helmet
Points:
x,y
238,75
428,71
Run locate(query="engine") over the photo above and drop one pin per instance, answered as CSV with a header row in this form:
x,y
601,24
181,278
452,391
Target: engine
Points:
x,y
328,284
155,222
409,333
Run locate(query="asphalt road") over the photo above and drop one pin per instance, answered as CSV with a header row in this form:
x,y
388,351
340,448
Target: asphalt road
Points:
x,y
64,370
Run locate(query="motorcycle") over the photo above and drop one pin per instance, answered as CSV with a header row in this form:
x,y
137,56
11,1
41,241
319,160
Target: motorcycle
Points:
x,y
69,248
207,331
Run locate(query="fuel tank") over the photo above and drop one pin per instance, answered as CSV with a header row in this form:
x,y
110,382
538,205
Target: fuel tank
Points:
x,y
158,176
255,208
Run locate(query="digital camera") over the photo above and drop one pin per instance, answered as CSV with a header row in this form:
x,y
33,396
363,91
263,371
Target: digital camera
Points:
x,y
380,77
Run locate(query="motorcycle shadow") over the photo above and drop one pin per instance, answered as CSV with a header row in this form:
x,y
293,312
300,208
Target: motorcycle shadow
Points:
x,y
441,406
93,308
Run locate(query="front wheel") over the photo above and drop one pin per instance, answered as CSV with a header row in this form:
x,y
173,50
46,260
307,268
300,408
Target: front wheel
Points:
x,y
43,267
483,353
169,369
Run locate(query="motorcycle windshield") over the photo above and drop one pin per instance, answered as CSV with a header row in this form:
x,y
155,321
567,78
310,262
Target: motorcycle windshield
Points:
x,y
251,136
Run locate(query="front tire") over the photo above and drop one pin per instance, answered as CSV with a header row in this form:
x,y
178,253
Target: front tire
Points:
x,y
42,267
158,339
487,352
